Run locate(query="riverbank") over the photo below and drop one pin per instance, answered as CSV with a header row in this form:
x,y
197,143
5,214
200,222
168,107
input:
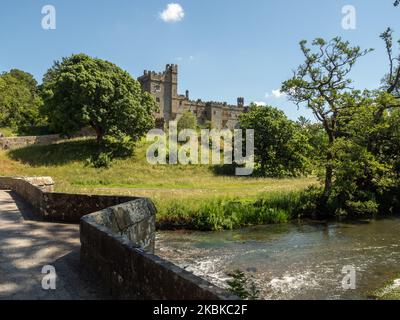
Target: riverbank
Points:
x,y
391,291
194,197
232,213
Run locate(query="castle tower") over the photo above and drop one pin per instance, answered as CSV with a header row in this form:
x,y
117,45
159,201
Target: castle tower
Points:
x,y
164,88
171,92
240,102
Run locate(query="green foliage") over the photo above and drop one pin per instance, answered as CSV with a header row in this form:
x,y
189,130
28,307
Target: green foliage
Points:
x,y
101,160
366,154
227,213
322,84
280,145
242,285
364,157
108,150
82,91
316,140
7,132
187,121
19,101
391,81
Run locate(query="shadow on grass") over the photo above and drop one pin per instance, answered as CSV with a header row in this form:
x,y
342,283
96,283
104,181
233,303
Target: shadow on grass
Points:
x,y
229,170
56,154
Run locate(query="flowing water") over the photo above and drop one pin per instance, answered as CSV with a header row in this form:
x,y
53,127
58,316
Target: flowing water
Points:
x,y
293,261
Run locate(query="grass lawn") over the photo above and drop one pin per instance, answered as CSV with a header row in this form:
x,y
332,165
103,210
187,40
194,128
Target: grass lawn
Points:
x,y
165,185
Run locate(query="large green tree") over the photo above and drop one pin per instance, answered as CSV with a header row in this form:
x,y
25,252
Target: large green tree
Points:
x,y
280,146
82,91
366,155
19,100
322,84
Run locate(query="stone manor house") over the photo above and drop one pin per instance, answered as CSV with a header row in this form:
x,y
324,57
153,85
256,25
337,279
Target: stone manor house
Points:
x,y
164,87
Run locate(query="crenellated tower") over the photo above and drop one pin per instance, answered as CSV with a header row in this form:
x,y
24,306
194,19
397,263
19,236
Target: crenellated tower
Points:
x,y
164,88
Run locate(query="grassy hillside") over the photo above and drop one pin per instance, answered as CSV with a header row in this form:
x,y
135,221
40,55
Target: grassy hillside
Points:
x,y
188,186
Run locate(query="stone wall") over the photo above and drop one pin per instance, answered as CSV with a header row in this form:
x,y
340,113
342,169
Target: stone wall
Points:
x,y
127,265
58,207
71,208
11,143
117,242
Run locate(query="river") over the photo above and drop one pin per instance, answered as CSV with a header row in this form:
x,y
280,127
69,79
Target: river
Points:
x,y
302,260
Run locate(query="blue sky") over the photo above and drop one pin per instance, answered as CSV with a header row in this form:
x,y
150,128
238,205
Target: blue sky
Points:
x,y
225,48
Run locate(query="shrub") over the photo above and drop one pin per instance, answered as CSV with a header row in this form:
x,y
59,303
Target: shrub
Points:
x,y
101,160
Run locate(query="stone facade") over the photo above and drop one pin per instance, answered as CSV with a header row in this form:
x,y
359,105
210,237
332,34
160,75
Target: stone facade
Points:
x,y
164,88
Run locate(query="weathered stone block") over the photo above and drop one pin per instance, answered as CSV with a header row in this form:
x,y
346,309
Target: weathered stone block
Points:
x,y
135,273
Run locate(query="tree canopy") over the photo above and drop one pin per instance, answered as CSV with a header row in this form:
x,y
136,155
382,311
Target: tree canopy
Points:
x,y
19,100
361,151
280,147
323,85
82,91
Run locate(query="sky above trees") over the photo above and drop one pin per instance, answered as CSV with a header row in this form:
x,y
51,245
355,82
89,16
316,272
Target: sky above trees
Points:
x,y
224,48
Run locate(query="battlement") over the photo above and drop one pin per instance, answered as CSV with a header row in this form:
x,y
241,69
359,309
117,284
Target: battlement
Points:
x,y
172,68
149,75
197,102
152,75
217,103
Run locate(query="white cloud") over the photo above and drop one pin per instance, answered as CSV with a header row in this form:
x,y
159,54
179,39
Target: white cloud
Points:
x,y
173,13
184,59
260,103
278,94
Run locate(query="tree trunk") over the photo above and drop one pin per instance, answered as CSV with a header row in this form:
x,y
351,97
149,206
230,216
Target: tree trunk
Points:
x,y
99,136
323,201
328,179
99,132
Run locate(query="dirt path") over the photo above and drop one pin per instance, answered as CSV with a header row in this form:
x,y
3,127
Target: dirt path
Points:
x,y
27,245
